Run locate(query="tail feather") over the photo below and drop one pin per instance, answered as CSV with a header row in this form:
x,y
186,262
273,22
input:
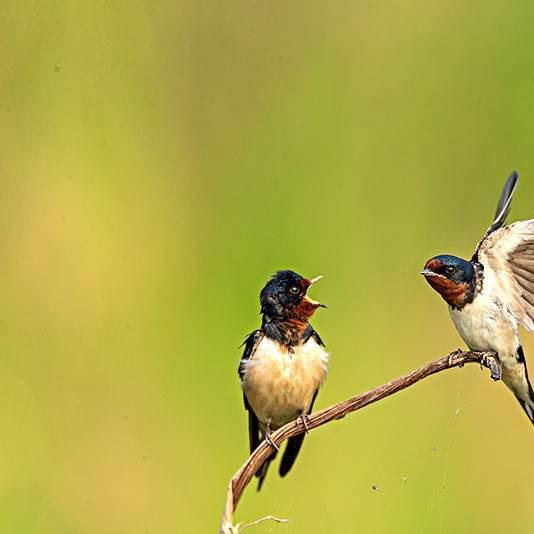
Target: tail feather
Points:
x,y
261,473
528,407
290,454
521,387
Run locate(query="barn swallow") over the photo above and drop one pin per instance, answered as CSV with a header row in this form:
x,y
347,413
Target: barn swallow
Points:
x,y
283,365
493,293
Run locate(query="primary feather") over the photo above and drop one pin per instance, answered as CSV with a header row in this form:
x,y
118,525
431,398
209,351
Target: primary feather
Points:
x,y
503,208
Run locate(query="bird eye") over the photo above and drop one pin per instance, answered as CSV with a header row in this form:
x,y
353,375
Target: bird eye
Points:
x,y
450,269
294,290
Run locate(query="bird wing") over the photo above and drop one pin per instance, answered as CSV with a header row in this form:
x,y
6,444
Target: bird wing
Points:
x,y
251,344
311,333
503,208
508,258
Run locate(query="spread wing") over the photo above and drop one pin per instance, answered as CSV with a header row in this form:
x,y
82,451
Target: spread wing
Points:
x,y
507,254
508,259
503,208
251,344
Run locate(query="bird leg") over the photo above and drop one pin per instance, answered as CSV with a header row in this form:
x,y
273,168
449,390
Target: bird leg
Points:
x,y
268,438
492,363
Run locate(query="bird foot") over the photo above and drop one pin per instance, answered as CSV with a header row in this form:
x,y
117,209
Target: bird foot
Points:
x,y
452,355
305,420
269,440
492,363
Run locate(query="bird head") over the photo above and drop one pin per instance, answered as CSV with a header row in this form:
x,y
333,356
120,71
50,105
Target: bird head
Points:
x,y
451,277
285,296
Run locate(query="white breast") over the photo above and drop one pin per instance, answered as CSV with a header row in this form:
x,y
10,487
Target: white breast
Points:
x,y
487,324
280,385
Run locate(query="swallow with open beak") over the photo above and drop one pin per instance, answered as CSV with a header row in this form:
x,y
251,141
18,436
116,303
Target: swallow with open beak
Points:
x,y
283,365
493,293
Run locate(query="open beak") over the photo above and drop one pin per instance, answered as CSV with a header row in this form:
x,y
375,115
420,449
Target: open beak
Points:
x,y
311,301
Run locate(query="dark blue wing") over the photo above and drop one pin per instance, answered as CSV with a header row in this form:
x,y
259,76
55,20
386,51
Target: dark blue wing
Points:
x,y
311,333
251,344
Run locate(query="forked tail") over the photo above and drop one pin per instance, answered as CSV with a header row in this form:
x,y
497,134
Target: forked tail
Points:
x,y
517,380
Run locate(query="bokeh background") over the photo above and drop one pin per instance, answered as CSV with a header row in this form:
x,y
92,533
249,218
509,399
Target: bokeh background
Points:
x,y
159,161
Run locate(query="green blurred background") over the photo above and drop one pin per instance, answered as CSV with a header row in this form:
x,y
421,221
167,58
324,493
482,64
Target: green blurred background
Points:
x,y
159,161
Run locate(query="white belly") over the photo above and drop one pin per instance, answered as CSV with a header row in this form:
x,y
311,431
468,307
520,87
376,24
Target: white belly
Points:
x,y
280,385
486,324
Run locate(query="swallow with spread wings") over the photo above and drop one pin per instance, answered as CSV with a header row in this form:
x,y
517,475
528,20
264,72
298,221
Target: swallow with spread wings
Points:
x,y
491,295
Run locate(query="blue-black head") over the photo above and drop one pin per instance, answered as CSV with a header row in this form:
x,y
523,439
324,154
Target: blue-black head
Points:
x,y
456,269
285,297
452,277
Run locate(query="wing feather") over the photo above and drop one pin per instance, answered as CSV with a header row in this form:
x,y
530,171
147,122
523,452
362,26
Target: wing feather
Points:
x,y
508,258
251,344
523,275
503,208
529,299
528,288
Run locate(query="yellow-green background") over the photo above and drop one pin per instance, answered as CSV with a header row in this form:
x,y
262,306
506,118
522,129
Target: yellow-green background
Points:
x,y
158,161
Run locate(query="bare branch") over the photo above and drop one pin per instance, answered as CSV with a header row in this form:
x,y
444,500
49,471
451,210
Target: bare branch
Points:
x,y
242,478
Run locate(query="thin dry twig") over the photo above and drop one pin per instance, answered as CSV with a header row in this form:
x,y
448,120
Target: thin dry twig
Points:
x,y
261,520
242,478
